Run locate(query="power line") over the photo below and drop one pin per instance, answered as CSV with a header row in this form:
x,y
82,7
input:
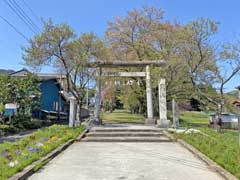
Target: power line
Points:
x,y
12,26
24,14
31,10
19,15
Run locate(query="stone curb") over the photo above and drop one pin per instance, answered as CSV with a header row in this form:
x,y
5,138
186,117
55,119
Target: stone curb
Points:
x,y
170,136
211,164
82,135
32,168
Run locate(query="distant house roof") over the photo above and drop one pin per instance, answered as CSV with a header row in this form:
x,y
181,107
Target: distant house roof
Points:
x,y
238,87
223,114
6,71
45,76
236,102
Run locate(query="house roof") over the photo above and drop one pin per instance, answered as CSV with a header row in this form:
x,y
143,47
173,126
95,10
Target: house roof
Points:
x,y
45,76
21,73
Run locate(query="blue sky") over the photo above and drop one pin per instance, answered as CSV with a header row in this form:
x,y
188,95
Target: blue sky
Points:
x,y
93,15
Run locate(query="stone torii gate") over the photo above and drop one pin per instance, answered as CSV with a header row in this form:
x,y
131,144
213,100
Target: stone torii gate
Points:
x,y
162,122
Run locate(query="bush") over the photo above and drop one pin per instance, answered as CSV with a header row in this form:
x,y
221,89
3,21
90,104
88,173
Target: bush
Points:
x,y
8,129
33,124
21,122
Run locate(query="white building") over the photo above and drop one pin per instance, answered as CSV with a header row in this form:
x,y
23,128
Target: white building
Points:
x,y
229,120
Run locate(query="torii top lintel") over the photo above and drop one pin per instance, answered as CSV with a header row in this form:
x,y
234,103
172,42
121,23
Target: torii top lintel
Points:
x,y
115,64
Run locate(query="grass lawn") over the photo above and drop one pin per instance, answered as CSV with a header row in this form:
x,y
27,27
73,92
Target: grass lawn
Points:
x,y
122,116
192,119
15,156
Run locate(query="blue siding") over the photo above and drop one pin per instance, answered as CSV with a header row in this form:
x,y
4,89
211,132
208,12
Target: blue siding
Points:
x,y
50,95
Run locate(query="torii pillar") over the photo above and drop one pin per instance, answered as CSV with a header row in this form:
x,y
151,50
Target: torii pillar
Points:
x,y
162,122
98,97
149,119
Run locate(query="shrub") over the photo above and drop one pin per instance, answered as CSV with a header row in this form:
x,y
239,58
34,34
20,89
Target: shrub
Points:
x,y
8,129
33,124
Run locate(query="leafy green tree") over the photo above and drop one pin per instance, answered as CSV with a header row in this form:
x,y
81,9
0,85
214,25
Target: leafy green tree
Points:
x,y
4,95
144,35
4,89
60,47
130,38
25,93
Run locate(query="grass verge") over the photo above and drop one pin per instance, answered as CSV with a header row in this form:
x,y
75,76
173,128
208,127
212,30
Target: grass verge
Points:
x,y
220,147
14,157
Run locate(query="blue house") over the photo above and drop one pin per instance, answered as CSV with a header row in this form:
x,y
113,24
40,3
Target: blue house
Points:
x,y
54,100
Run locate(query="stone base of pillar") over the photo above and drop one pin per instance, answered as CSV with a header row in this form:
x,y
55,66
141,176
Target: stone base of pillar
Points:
x,y
150,121
97,122
71,124
163,123
77,123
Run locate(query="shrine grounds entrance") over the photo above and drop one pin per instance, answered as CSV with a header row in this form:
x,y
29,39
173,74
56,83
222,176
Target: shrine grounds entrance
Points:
x,y
162,121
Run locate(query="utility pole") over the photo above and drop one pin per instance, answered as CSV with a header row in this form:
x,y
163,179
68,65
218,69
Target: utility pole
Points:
x,y
87,94
238,125
238,117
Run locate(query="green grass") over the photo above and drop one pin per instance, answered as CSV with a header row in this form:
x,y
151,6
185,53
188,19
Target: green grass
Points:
x,y
220,147
29,149
122,116
192,119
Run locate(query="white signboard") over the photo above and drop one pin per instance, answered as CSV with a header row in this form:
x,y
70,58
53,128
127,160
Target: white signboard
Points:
x,y
124,74
10,106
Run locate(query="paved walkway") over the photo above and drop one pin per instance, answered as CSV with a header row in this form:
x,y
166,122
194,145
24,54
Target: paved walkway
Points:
x,y
125,161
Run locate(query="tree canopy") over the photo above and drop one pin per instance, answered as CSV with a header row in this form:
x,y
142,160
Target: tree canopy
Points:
x,y
193,70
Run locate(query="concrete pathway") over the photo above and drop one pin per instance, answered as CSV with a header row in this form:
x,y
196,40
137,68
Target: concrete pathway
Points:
x,y
126,161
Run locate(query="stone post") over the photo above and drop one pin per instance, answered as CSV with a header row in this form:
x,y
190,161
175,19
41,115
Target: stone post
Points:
x,y
162,122
72,112
175,113
98,97
149,119
78,122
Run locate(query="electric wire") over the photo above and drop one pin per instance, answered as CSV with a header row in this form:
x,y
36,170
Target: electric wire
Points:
x,y
19,15
12,26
